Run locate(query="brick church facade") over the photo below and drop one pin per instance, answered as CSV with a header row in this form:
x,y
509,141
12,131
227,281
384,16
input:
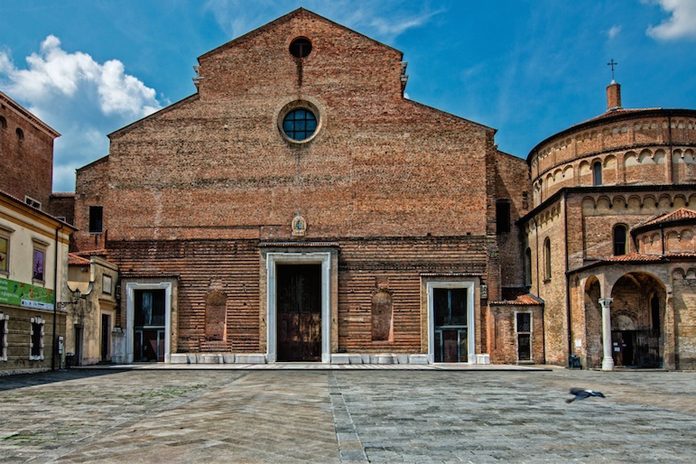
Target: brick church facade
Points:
x,y
298,207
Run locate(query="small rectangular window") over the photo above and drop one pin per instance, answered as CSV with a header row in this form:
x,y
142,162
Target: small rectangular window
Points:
x,y
38,264
502,216
31,202
96,216
523,326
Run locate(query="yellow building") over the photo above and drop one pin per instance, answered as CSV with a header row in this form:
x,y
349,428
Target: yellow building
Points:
x,y
33,263
92,319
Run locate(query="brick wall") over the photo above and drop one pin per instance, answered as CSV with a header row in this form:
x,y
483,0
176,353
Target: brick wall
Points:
x,y
512,183
27,162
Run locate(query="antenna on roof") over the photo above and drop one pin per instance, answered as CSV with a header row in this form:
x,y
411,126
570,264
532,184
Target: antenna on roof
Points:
x,y
612,64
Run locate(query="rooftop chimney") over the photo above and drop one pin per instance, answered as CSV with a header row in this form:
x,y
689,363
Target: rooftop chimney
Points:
x,y
613,96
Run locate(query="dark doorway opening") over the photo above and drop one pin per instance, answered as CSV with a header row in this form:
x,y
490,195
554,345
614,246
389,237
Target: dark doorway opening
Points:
x,y
78,345
451,325
105,337
149,326
636,348
298,303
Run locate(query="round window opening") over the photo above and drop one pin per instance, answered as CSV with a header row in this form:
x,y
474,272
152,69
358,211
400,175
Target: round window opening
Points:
x,y
299,124
301,47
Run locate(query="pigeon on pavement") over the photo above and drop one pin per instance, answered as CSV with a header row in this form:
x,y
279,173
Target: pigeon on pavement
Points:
x,y
581,394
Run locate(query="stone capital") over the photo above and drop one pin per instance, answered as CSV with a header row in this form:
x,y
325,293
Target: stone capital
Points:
x,y
605,302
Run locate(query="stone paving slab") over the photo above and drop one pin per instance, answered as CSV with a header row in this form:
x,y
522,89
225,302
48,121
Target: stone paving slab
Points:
x,y
346,416
317,366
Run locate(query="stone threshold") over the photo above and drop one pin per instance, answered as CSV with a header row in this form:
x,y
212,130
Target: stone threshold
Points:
x,y
319,366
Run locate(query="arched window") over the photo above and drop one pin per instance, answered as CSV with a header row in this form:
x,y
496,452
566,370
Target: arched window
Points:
x,y
3,122
547,259
597,173
620,240
20,134
528,267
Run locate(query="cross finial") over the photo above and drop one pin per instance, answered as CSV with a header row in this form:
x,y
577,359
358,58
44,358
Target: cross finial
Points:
x,y
612,64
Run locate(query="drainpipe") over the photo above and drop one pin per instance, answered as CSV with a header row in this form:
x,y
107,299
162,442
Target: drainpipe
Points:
x,y
55,299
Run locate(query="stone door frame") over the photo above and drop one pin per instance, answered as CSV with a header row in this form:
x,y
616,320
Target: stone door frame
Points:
x,y
167,286
470,285
274,258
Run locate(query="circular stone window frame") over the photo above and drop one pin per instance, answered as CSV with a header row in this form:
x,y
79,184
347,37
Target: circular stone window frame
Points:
x,y
300,104
297,38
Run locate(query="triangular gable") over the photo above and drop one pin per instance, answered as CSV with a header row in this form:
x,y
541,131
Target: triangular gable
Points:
x,y
294,13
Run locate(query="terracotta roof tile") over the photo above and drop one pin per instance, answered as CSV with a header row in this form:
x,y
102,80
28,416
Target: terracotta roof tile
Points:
x,y
676,215
75,260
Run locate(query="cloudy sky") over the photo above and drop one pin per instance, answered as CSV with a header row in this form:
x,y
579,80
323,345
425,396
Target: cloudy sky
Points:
x,y
526,67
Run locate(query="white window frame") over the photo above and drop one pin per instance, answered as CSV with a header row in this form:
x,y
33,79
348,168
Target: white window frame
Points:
x,y
34,203
37,320
6,233
531,337
5,319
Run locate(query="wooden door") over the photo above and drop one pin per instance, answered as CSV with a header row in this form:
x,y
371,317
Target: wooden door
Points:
x,y
298,290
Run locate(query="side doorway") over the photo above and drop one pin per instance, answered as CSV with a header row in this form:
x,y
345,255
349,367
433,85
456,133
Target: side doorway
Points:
x,y
451,315
149,325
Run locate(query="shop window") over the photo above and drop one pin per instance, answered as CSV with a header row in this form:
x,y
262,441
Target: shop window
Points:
x,y
547,259
620,235
96,219
37,339
523,327
502,216
3,336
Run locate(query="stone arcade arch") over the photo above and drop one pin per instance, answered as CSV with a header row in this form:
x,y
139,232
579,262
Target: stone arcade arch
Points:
x,y
637,320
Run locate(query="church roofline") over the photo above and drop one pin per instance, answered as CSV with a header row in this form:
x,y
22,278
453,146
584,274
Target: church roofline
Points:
x,y
29,115
284,18
460,118
134,124
609,117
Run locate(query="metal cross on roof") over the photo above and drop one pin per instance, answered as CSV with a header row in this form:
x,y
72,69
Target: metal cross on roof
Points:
x,y
612,64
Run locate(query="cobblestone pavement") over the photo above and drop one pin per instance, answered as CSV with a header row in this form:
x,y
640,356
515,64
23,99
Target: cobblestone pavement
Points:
x,y
346,416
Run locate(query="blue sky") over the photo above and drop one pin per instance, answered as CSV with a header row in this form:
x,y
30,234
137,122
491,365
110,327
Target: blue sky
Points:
x,y
526,67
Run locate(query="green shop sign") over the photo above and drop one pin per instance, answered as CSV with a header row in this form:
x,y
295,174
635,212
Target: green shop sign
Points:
x,y
25,295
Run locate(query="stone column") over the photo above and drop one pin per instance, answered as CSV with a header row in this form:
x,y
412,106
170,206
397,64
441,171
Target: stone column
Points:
x,y
669,336
607,360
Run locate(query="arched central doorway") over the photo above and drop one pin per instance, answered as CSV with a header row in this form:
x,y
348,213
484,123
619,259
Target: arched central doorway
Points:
x,y
637,321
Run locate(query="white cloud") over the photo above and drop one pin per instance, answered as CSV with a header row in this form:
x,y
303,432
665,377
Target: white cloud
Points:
x,y
377,19
78,96
680,25
614,31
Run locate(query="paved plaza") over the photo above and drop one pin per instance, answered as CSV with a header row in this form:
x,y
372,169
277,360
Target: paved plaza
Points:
x,y
332,416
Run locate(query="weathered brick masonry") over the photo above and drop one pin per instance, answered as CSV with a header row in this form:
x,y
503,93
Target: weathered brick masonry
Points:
x,y
404,191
